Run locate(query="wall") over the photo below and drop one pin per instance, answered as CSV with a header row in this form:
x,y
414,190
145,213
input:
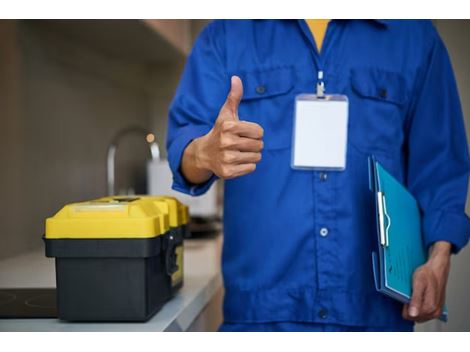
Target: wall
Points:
x,y
456,35
61,104
162,77
10,149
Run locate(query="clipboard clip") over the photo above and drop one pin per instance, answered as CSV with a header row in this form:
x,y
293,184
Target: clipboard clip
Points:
x,y
383,216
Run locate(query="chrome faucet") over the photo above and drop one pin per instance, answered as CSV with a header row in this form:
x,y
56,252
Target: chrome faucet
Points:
x,y
111,159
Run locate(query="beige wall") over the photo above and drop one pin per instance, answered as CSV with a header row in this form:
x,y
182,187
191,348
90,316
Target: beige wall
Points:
x,y
10,150
61,103
160,78
456,35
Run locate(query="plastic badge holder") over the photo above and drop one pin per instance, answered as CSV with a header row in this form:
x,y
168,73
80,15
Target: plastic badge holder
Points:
x,y
320,132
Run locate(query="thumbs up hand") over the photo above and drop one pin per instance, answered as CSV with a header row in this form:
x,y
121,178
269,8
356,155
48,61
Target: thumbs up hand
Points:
x,y
231,149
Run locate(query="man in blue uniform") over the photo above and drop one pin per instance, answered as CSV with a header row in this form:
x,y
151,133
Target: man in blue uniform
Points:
x,y
297,244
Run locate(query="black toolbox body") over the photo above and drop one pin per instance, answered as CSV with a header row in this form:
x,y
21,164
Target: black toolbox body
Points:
x,y
113,279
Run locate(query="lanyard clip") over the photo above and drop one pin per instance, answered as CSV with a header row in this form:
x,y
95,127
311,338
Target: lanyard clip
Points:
x,y
320,86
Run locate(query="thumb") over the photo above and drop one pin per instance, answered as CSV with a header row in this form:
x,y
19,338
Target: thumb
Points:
x,y
234,97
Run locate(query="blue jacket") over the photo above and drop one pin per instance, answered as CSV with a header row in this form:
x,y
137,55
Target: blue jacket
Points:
x,y
298,244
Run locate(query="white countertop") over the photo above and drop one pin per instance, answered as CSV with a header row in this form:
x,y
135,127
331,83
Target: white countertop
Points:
x,y
202,279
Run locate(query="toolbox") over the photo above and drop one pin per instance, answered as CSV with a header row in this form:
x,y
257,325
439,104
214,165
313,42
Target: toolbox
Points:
x,y
117,258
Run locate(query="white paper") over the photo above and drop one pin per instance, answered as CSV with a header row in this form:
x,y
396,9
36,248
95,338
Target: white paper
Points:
x,y
320,132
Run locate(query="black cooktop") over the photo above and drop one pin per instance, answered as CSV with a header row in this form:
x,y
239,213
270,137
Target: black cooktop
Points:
x,y
28,303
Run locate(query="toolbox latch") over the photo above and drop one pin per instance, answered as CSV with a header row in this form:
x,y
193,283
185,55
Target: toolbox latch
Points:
x,y
170,256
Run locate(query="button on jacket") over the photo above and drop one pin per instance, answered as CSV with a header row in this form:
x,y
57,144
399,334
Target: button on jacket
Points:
x,y
297,244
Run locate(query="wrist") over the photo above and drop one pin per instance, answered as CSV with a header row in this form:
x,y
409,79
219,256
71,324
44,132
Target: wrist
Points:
x,y
199,155
193,165
440,250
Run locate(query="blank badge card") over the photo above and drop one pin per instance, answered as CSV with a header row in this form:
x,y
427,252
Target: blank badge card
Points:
x,y
320,132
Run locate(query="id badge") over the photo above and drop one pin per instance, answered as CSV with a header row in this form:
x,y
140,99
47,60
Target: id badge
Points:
x,y
320,132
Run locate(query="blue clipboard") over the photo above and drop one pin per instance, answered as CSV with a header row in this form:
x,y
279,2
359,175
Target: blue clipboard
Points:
x,y
400,247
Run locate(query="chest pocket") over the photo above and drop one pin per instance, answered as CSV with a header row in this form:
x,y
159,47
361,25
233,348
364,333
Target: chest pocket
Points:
x,y
378,99
268,100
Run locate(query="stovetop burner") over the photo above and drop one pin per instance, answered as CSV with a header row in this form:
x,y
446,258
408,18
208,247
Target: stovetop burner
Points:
x,y
28,303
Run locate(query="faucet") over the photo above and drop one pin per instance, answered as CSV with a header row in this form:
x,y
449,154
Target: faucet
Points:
x,y
111,158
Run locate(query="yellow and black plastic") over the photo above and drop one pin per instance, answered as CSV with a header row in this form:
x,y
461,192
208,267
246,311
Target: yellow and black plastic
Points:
x,y
117,258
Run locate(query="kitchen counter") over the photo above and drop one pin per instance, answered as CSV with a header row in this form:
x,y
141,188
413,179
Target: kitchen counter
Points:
x,y
202,281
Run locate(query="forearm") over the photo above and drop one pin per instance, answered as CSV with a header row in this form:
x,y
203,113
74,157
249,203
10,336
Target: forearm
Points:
x,y
192,166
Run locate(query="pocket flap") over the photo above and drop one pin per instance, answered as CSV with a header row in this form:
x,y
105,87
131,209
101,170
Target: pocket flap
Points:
x,y
379,84
266,83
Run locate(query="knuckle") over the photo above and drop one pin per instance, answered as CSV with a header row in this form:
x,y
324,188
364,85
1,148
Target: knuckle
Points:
x,y
227,157
228,172
428,309
228,125
419,271
418,275
419,282
225,142
224,172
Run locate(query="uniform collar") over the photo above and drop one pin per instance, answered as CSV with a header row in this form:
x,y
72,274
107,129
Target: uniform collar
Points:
x,y
381,22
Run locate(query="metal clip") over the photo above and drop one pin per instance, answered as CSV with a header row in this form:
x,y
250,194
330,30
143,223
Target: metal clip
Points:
x,y
320,85
382,209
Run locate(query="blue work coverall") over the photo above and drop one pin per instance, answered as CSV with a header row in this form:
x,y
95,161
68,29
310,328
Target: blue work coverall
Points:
x,y
297,244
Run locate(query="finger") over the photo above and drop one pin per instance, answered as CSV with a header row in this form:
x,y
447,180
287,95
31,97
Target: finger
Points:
x,y
244,144
437,313
418,319
248,129
236,157
415,305
243,169
234,97
404,312
430,304
248,158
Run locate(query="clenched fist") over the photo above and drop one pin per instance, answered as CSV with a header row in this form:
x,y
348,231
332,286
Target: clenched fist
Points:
x,y
231,149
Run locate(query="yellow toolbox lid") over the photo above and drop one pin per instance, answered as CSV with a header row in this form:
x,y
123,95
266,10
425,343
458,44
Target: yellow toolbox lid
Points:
x,y
178,212
113,217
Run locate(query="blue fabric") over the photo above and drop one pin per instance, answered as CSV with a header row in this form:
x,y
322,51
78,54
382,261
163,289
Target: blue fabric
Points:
x,y
306,327
404,109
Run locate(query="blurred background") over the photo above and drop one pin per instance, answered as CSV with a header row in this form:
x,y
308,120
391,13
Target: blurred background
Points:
x,y
68,90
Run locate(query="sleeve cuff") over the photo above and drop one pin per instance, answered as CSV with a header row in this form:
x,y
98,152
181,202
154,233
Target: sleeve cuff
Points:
x,y
446,226
175,154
